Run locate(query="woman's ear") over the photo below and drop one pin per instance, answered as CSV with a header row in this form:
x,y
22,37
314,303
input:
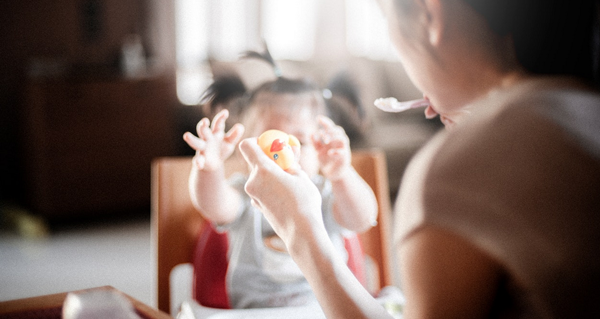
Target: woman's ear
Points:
x,y
436,23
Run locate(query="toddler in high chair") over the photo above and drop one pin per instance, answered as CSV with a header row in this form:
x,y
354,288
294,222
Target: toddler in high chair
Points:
x,y
260,273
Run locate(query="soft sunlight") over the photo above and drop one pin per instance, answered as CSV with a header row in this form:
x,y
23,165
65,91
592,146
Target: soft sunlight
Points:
x,y
289,28
223,29
366,31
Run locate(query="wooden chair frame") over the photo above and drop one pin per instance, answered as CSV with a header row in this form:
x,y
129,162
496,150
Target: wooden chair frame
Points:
x,y
176,223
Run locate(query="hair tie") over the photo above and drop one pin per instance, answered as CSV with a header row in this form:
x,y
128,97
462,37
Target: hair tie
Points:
x,y
265,56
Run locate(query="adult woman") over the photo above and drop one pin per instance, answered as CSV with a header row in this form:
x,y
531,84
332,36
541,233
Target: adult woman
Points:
x,y
497,216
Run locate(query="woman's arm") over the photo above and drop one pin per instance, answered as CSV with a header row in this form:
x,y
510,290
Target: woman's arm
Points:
x,y
445,276
292,204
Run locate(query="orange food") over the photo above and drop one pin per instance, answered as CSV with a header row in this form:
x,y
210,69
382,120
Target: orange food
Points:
x,y
278,146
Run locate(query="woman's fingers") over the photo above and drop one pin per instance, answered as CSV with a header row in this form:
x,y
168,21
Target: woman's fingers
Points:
x,y
253,154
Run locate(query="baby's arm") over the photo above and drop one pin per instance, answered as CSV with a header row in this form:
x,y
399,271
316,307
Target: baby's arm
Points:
x,y
355,205
212,196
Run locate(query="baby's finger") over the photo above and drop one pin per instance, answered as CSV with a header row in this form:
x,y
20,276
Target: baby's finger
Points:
x,y
199,161
335,153
235,134
317,140
194,142
202,128
326,122
218,123
336,144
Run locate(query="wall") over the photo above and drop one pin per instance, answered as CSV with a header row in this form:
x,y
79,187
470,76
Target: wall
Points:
x,y
82,39
75,39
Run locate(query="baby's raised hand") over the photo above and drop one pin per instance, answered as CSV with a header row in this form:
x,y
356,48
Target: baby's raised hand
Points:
x,y
213,146
333,148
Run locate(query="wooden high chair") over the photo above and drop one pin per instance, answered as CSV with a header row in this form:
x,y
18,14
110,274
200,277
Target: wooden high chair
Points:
x,y
176,223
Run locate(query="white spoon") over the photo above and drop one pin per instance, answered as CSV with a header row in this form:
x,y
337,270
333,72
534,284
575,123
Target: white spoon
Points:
x,y
391,104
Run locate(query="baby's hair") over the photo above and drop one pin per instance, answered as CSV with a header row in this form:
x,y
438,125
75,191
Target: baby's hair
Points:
x,y
264,56
340,100
230,92
224,93
223,89
284,95
281,85
550,36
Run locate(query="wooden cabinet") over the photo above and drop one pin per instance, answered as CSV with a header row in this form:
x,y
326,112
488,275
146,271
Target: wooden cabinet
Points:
x,y
89,143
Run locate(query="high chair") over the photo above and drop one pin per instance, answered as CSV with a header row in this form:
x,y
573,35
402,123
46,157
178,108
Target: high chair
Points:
x,y
177,227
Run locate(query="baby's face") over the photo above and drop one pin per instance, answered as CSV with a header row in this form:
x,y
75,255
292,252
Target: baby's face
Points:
x,y
302,124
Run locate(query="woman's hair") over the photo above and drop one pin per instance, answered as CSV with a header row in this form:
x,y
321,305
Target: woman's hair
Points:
x,y
550,36
555,37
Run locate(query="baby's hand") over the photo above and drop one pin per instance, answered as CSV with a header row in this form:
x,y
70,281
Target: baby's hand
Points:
x,y
333,147
212,145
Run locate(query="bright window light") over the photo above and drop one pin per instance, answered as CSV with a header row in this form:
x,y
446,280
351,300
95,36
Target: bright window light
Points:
x,y
192,43
192,26
218,29
366,31
228,37
289,26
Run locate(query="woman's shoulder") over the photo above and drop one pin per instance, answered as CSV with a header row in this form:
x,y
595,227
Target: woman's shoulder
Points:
x,y
510,133
561,109
569,106
522,141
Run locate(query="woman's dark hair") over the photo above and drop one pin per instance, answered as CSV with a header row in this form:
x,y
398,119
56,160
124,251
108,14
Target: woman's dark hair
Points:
x,y
551,36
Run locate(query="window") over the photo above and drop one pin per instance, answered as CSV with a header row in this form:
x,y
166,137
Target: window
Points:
x,y
222,29
207,28
366,31
192,49
289,28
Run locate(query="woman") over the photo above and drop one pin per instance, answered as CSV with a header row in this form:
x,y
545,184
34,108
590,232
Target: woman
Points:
x,y
497,217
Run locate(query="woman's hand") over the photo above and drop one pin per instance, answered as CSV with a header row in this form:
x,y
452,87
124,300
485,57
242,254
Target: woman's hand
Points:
x,y
333,148
288,199
212,145
292,204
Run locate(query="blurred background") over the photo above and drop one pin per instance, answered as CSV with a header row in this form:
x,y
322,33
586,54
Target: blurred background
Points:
x,y
91,91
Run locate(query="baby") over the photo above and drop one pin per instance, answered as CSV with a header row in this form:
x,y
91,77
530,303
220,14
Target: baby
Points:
x,y
260,272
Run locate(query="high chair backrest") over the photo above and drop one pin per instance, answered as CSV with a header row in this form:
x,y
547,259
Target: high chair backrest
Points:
x,y
176,223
